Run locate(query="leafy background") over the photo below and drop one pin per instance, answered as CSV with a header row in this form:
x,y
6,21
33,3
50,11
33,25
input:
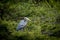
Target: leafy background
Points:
x,y
45,16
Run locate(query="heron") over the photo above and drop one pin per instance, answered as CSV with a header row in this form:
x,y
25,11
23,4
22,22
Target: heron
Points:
x,y
22,23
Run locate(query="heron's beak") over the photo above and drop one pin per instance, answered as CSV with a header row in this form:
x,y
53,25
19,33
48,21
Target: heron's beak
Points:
x,y
29,20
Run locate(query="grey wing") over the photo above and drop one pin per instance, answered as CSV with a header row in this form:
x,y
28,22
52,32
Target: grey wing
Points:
x,y
19,27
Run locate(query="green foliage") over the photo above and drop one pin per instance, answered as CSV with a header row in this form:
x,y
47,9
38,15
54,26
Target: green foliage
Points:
x,y
43,13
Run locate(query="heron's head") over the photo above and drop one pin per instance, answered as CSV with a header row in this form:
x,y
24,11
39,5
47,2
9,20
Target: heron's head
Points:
x,y
27,19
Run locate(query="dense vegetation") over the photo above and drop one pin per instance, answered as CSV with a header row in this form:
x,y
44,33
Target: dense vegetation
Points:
x,y
45,16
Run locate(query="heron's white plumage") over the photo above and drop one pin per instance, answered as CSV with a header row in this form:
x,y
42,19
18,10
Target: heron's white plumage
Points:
x,y
27,19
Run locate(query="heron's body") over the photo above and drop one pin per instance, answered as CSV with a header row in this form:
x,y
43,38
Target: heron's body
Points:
x,y
21,24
